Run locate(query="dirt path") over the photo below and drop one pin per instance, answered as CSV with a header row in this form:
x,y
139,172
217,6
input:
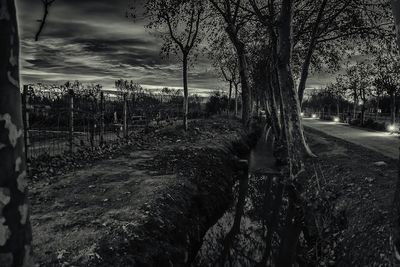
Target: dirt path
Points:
x,y
381,142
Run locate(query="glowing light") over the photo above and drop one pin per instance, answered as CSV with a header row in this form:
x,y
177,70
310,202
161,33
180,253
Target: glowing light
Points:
x,y
336,119
314,116
302,114
391,128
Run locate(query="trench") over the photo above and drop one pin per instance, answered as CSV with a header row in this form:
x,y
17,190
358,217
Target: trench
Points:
x,y
230,243
227,217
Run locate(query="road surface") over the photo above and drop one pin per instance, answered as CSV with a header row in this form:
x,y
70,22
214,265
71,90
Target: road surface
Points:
x,y
384,143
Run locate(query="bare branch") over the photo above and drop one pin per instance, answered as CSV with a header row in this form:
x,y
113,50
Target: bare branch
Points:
x,y
46,5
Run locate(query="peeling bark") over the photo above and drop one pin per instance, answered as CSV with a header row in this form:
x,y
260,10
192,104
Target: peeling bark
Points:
x,y
295,144
291,107
15,230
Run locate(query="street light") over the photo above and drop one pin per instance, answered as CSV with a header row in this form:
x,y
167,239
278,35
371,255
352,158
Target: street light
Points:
x,y
314,116
336,119
391,128
302,114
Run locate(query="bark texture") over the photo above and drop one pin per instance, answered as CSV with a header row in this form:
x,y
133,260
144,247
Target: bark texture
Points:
x,y
395,235
15,230
291,107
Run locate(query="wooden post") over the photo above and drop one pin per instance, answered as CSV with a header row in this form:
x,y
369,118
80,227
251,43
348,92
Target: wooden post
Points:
x,y
71,119
25,118
92,122
101,118
125,126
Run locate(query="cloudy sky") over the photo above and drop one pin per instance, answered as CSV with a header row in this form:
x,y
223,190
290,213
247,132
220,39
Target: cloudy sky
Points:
x,y
93,41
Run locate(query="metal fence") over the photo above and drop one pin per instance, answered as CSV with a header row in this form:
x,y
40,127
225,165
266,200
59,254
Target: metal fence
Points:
x,y
59,120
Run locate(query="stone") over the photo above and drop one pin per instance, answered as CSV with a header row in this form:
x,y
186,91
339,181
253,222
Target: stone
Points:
x,y
380,164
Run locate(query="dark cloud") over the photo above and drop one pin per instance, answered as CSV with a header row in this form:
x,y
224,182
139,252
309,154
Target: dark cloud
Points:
x,y
93,41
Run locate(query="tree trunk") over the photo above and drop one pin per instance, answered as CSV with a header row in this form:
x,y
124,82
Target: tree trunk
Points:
x,y
355,100
293,226
392,107
362,114
243,74
395,234
377,108
15,229
236,99
290,100
271,99
307,60
294,136
246,104
337,109
185,93
329,111
304,73
229,98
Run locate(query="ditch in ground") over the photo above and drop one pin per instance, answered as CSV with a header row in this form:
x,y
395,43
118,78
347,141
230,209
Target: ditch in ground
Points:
x,y
152,203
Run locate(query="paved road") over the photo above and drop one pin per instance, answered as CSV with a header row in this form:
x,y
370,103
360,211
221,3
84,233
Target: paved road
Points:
x,y
381,142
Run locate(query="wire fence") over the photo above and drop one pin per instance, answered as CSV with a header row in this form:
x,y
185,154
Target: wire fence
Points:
x,y
60,119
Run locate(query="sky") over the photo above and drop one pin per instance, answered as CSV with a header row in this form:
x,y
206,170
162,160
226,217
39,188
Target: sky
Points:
x,y
94,42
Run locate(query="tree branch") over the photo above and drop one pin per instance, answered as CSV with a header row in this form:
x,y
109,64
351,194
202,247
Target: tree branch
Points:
x,y
171,33
46,5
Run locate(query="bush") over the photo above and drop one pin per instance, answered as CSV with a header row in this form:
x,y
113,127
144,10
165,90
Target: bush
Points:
x,y
369,124
216,104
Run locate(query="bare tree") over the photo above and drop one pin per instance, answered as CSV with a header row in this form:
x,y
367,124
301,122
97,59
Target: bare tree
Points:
x,y
334,21
234,22
15,229
225,60
385,68
179,22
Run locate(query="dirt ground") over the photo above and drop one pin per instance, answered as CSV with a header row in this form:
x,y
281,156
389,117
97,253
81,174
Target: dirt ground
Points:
x,y
347,217
78,216
351,196
81,217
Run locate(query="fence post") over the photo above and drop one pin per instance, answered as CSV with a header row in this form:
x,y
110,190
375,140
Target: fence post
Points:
x,y
101,118
125,125
25,118
71,119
